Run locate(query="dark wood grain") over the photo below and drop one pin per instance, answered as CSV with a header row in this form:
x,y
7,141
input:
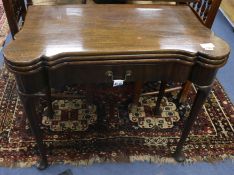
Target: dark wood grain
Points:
x,y
206,10
112,30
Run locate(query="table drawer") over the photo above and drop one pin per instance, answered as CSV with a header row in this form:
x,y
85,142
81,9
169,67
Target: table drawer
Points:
x,y
106,73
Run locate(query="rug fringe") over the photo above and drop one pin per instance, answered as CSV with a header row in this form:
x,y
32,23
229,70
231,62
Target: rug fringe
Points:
x,y
132,159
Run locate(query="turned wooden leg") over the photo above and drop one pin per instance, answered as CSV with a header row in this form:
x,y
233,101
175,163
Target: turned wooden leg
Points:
x,y
89,94
200,98
49,101
50,112
160,97
30,112
137,92
185,91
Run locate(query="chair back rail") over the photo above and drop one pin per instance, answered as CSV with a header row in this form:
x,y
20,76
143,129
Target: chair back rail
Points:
x,y
206,10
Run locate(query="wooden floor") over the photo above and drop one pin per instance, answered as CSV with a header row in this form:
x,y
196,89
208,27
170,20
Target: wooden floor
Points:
x,y
227,7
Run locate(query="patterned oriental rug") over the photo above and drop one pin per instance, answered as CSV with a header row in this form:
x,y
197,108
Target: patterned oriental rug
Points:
x,y
4,29
82,135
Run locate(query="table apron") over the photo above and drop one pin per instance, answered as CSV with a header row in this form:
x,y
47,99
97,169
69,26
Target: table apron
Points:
x,y
88,74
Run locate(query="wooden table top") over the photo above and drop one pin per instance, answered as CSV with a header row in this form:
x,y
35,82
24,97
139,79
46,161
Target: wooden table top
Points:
x,y
81,30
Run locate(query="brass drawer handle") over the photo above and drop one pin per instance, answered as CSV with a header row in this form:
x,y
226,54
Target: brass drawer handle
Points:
x,y
110,75
128,74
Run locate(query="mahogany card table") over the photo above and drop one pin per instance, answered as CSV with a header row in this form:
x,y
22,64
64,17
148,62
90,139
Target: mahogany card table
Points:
x,y
61,45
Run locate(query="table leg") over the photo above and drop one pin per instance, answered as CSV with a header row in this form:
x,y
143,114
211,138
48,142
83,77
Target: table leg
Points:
x,y
184,92
49,101
137,92
30,112
89,94
160,97
50,112
200,98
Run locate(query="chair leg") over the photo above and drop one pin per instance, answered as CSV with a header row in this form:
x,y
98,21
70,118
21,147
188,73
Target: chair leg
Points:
x,y
185,91
160,97
11,17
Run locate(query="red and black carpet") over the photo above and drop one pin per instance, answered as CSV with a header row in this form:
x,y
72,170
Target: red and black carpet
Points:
x,y
4,29
80,135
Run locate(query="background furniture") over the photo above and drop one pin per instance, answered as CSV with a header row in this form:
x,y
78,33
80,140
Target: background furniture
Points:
x,y
206,10
15,12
